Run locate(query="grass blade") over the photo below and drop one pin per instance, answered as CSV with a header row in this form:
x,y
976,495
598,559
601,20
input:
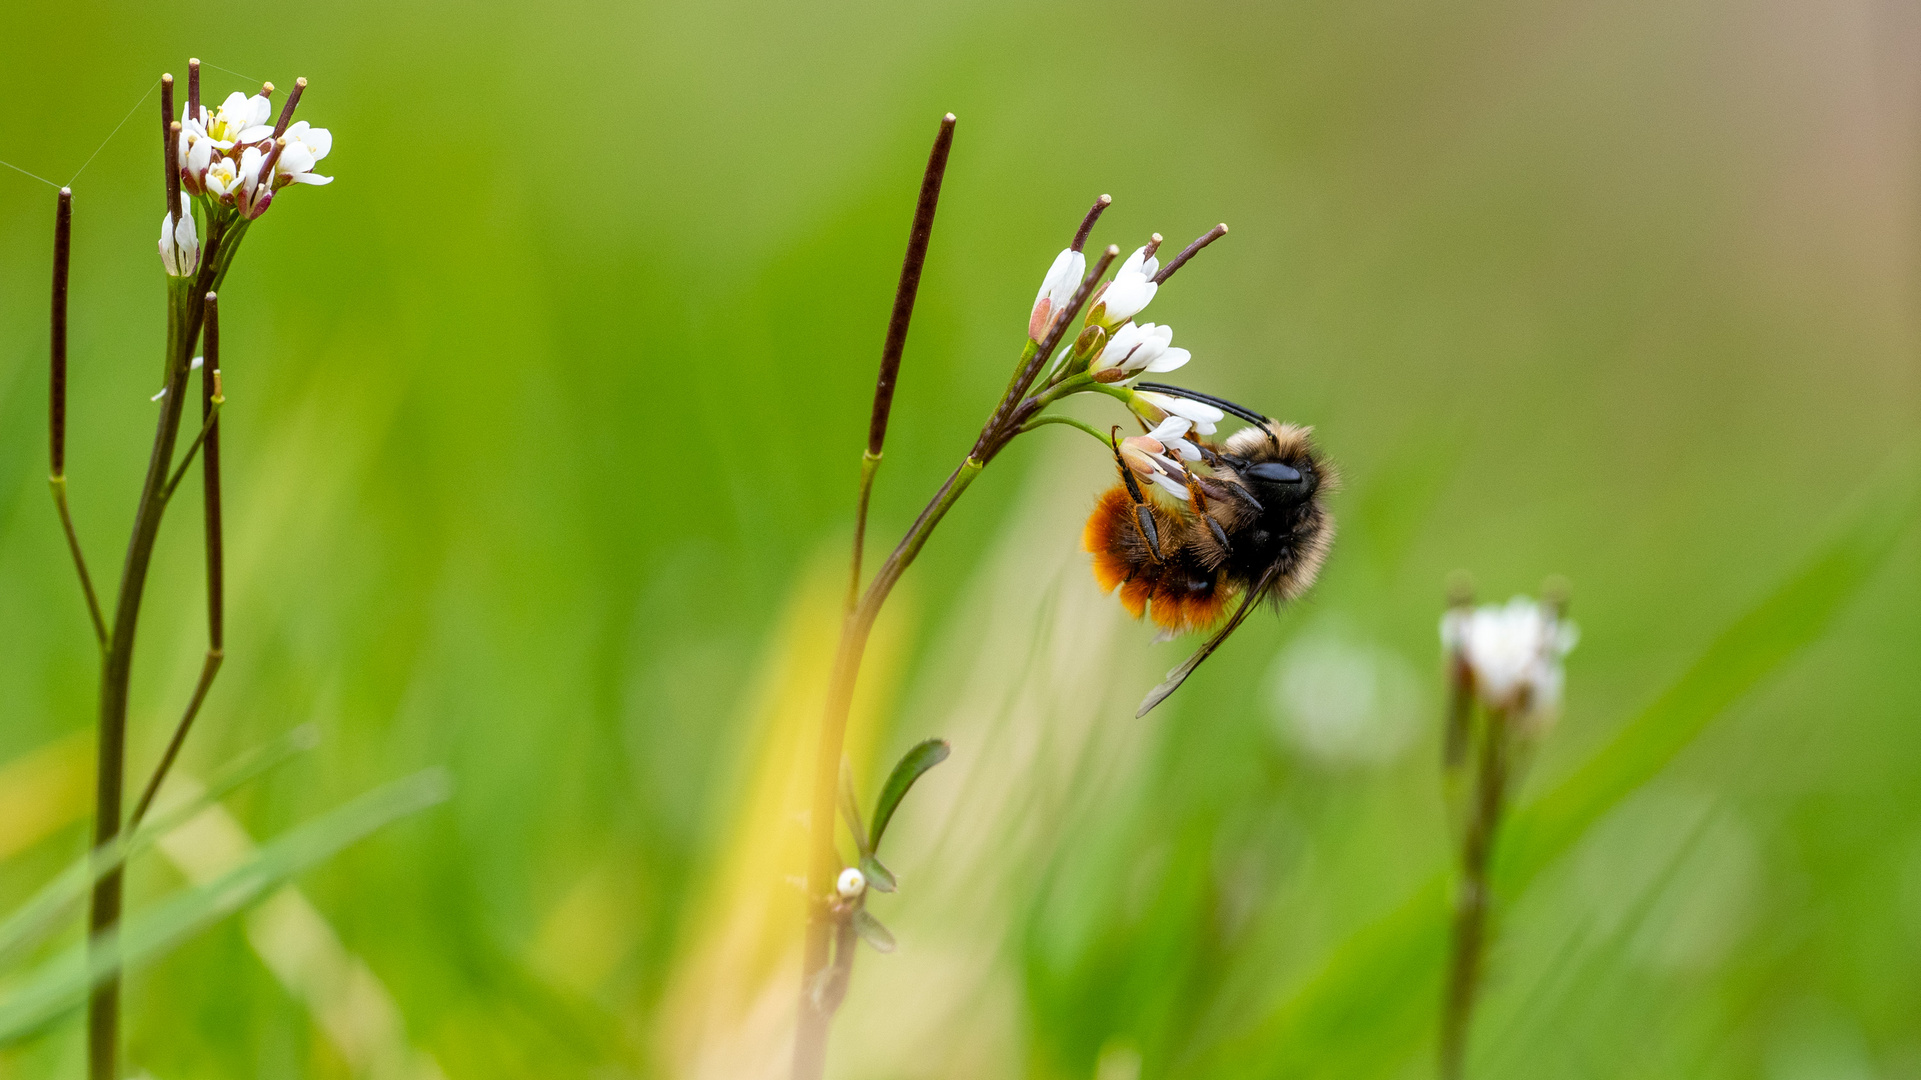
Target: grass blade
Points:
x,y
33,920
63,982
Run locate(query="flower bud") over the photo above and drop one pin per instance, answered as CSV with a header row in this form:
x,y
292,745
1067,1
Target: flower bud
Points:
x,y
851,884
179,245
1131,290
1057,291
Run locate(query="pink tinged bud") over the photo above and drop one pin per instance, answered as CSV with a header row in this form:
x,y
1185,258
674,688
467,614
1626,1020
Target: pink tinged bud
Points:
x,y
1056,291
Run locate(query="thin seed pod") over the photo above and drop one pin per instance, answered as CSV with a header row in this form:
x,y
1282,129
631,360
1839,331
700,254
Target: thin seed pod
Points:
x,y
57,408
895,344
286,111
210,399
1087,223
169,169
173,170
909,284
1190,251
193,89
57,402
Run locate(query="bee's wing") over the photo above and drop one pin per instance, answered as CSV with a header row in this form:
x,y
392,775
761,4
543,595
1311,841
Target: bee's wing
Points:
x,y
1179,675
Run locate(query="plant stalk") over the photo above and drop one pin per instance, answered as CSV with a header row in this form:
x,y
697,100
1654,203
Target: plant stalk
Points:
x,y
186,309
209,442
816,1011
1471,901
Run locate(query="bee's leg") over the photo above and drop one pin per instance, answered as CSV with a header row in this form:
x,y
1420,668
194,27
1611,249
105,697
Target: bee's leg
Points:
x,y
1143,513
1200,510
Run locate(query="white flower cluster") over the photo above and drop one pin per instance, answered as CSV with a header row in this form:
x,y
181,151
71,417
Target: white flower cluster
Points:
x,y
234,156
1513,653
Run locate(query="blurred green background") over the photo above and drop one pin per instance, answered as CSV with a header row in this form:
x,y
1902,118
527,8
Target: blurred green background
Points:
x,y
543,428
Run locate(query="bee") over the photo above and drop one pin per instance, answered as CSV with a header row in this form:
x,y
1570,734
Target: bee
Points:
x,y
1251,528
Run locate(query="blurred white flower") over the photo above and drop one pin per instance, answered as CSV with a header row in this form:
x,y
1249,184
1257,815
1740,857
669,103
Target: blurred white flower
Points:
x,y
1204,416
1513,653
179,244
1130,291
1057,288
1137,348
851,883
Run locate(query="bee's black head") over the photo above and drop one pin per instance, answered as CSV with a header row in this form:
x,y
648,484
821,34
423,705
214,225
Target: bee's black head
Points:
x,y
1278,465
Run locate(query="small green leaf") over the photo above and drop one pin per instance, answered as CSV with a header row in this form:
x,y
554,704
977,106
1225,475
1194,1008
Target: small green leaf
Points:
x,y
921,758
878,876
872,932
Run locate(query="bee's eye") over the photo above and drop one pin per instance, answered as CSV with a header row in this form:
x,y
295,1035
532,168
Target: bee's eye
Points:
x,y
1275,473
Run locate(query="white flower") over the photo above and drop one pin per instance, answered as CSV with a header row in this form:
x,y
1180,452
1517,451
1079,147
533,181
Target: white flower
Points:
x,y
240,119
179,244
306,145
1171,433
222,177
1514,653
1133,286
1140,347
1204,416
851,883
1147,456
1057,288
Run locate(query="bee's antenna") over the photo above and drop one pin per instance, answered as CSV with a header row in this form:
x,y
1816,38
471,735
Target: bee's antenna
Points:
x,y
1223,404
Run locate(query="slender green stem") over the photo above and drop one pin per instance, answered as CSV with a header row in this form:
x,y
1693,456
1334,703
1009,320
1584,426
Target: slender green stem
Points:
x,y
1070,422
208,669
810,1043
59,485
1471,900
869,465
193,449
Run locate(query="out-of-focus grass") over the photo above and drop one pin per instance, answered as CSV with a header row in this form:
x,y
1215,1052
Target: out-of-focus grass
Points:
x,y
545,416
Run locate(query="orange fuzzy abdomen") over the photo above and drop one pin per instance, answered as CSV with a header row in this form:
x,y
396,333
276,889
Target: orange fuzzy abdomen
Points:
x,y
1185,595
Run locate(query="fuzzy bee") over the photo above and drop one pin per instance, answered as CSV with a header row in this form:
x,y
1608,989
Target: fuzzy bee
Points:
x,y
1252,527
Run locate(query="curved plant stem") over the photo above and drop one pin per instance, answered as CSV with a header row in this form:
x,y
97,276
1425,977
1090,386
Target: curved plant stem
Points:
x,y
816,1011
1038,421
